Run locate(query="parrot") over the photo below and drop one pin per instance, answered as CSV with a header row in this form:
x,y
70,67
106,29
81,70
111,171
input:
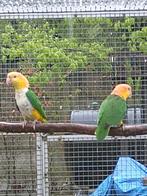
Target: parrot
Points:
x,y
27,101
112,110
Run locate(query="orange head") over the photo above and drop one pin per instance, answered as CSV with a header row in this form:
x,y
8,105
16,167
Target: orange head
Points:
x,y
122,90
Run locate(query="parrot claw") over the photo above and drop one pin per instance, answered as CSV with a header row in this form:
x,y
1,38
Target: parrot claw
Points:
x,y
34,127
122,127
34,124
24,123
121,124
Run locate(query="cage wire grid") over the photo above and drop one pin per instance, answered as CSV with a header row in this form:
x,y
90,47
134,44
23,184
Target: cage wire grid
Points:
x,y
73,53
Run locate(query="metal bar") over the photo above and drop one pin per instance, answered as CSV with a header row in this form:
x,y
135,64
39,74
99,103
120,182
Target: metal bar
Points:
x,y
39,154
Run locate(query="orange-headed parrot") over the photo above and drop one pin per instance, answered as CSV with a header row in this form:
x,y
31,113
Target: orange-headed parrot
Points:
x,y
112,110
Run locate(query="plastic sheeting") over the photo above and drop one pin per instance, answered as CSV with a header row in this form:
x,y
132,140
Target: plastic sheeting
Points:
x,y
127,179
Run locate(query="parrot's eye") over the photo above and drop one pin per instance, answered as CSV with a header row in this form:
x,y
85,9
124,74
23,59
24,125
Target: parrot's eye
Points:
x,y
129,89
14,76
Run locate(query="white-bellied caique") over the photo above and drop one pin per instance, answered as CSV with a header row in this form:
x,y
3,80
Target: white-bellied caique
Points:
x,y
26,100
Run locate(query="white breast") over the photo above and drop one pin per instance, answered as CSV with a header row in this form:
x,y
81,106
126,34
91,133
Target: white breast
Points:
x,y
23,103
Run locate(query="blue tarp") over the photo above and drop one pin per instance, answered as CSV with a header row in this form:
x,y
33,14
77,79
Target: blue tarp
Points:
x,y
126,180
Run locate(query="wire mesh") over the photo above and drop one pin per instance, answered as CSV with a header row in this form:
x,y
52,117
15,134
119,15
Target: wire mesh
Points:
x,y
17,165
73,55
86,162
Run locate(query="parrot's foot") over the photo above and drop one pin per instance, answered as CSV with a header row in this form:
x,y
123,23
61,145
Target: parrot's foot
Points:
x,y
121,124
34,124
24,123
123,127
34,127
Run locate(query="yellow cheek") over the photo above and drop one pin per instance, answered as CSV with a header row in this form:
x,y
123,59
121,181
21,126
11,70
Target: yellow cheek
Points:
x,y
18,84
126,95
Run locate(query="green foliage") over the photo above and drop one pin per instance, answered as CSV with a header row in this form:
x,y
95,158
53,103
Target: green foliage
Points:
x,y
38,47
138,40
125,25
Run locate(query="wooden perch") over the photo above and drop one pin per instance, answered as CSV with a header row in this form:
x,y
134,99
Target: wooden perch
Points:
x,y
50,128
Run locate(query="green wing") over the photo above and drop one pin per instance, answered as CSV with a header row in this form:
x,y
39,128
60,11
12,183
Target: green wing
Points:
x,y
112,110
35,102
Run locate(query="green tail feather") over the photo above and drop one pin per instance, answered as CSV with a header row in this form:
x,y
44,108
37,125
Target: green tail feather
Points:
x,y
101,131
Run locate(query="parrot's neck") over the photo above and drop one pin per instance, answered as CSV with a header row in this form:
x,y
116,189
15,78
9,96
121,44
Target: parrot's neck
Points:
x,y
22,90
123,96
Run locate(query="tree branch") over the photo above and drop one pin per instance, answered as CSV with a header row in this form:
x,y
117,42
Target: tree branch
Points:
x,y
50,128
